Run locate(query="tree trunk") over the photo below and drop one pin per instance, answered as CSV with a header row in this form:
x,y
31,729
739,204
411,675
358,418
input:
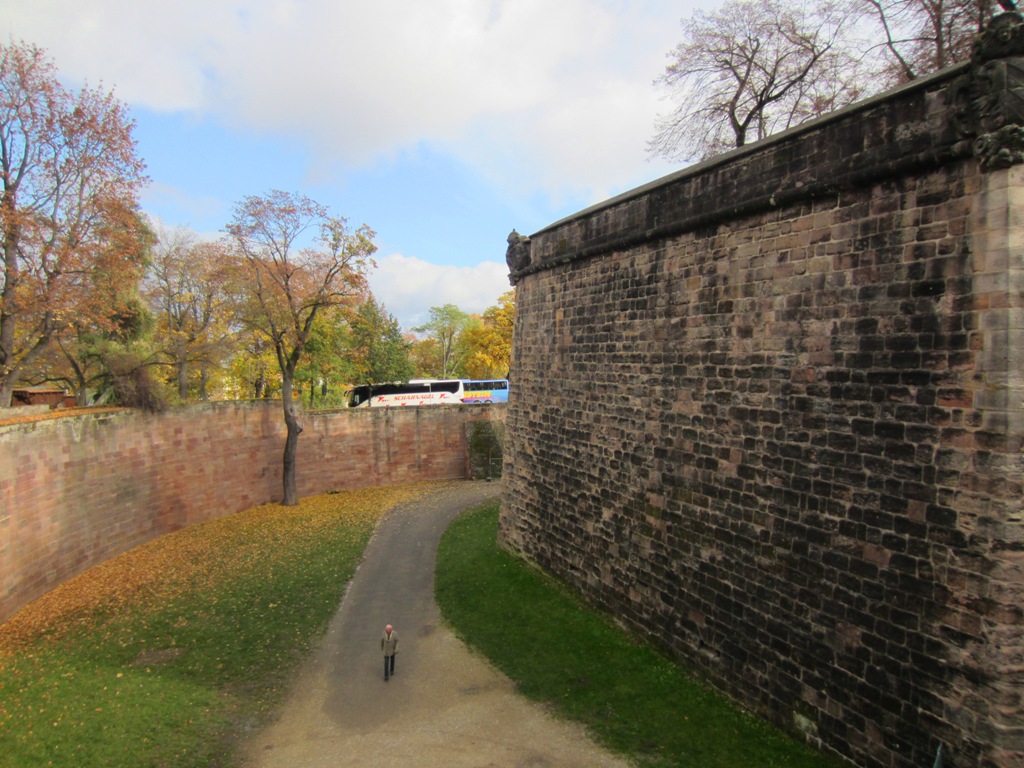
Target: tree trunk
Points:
x,y
6,391
291,444
8,297
204,380
183,379
10,378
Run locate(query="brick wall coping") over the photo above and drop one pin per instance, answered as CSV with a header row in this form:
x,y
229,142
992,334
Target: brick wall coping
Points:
x,y
76,417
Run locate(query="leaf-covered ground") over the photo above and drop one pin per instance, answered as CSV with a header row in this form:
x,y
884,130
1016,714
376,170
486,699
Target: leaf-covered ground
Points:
x,y
159,655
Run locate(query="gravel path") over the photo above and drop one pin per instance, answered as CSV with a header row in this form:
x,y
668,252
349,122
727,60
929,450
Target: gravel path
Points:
x,y
445,706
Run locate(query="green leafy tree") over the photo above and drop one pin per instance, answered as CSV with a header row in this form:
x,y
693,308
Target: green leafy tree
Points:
x,y
126,357
445,332
87,359
379,350
327,365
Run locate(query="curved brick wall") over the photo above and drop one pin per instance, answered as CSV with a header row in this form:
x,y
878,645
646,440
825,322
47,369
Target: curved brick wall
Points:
x,y
78,490
769,412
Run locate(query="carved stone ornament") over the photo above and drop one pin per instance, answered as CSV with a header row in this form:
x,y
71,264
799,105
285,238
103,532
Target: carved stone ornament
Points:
x,y
517,255
1000,149
989,97
1003,37
989,100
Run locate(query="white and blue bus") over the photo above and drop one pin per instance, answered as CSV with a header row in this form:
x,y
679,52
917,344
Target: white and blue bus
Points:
x,y
485,390
428,392
413,392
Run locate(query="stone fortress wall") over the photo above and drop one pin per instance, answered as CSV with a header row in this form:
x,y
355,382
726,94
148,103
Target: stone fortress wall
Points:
x,y
768,412
78,490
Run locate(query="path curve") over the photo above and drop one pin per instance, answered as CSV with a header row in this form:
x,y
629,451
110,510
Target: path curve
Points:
x,y
445,706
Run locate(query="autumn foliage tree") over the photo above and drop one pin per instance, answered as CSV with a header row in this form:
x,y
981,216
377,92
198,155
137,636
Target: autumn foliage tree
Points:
x,y
299,260
490,342
69,217
189,286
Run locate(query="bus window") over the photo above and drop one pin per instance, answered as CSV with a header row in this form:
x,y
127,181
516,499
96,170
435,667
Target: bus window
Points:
x,y
485,391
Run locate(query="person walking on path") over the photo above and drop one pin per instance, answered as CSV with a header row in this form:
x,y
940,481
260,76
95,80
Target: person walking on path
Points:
x,y
389,644
449,698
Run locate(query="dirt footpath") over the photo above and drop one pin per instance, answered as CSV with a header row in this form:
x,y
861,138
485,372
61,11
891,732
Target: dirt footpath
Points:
x,y
444,707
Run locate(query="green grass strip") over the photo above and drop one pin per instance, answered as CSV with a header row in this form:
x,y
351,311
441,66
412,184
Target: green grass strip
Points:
x,y
558,651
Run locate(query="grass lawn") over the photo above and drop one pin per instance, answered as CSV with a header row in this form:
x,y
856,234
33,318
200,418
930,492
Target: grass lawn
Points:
x,y
167,655
559,652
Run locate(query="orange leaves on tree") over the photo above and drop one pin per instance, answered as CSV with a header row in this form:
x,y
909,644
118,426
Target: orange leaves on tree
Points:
x,y
70,229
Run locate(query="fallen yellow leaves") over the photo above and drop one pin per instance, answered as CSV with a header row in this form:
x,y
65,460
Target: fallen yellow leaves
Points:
x,y
193,559
61,413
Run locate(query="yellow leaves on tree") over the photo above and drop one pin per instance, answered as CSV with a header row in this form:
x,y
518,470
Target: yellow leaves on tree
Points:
x,y
490,342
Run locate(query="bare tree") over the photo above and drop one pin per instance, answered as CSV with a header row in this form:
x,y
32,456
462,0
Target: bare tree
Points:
x,y
924,36
300,260
752,69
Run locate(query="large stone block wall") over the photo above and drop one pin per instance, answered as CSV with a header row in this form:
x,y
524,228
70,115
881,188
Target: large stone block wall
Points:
x,y
768,412
78,490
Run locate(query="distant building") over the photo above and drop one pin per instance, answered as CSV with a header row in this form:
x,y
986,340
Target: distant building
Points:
x,y
54,397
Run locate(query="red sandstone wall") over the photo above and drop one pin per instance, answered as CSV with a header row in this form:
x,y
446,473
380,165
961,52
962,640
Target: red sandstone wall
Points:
x,y
76,491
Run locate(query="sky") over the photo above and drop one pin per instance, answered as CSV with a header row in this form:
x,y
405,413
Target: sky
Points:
x,y
441,124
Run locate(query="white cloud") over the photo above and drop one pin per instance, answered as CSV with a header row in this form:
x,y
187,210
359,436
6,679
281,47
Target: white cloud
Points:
x,y
554,98
408,287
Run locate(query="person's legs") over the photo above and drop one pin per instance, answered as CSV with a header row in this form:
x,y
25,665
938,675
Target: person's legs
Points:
x,y
385,667
392,663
